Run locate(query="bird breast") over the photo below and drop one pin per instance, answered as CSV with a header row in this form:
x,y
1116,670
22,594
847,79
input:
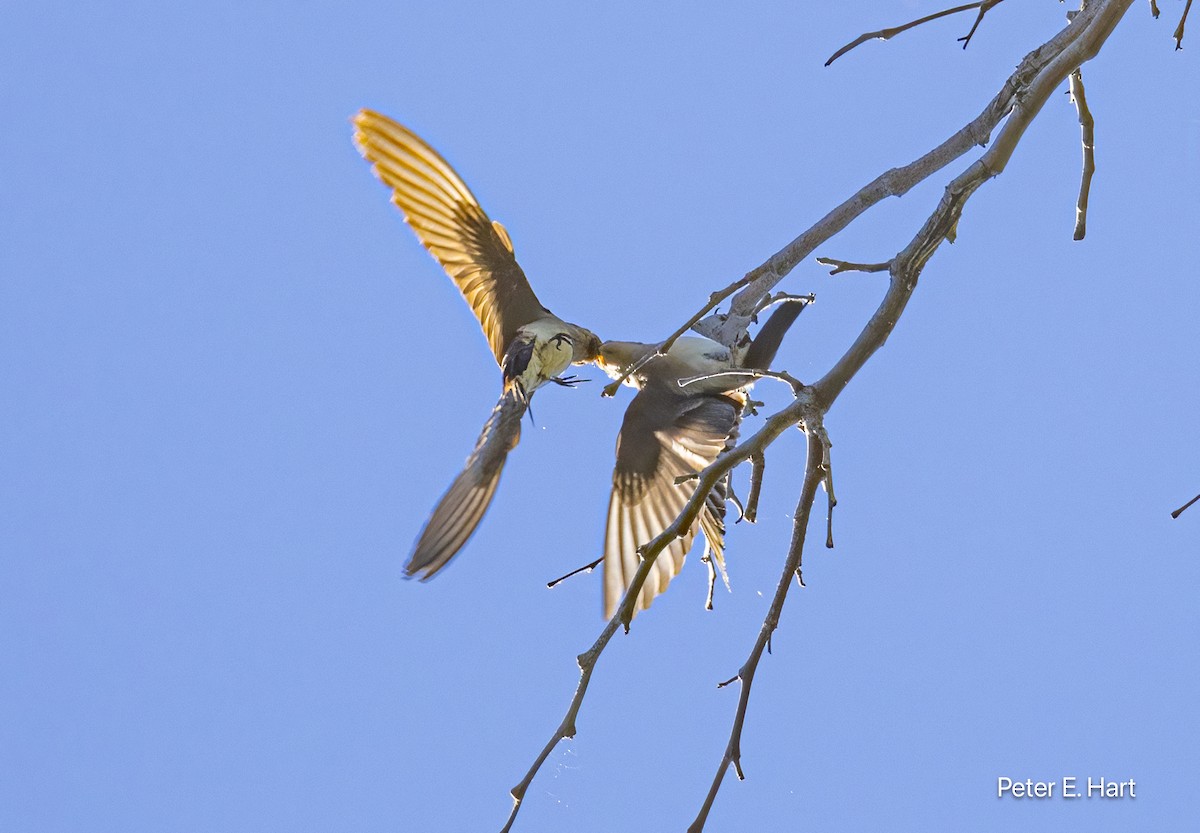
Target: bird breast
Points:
x,y
700,355
550,352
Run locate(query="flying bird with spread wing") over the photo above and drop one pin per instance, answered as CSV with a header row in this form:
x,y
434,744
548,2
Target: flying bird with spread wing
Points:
x,y
671,430
531,344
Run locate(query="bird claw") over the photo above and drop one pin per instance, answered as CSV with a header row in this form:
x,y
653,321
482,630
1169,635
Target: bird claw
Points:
x,y
568,381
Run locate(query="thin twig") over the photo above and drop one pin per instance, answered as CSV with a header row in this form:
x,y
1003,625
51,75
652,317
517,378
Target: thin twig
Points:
x,y
1087,128
662,348
906,268
731,496
772,428
1182,22
749,372
1035,78
712,578
893,183
813,474
758,464
888,34
846,266
830,497
1179,511
984,8
586,568
1090,28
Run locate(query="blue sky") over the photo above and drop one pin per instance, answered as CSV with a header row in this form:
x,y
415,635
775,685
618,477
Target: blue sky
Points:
x,y
234,385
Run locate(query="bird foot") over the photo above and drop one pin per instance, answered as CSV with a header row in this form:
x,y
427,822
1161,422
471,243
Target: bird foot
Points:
x,y
568,381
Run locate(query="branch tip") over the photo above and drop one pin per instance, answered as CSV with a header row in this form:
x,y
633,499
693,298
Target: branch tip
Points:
x,y
1181,509
984,6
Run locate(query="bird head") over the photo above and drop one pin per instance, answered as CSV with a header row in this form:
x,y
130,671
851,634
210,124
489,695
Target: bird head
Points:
x,y
615,357
586,346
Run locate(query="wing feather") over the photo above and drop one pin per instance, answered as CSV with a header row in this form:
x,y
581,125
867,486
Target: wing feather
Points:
x,y
451,224
464,504
664,436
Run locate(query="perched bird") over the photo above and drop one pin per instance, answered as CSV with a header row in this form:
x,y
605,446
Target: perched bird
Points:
x,y
671,430
531,345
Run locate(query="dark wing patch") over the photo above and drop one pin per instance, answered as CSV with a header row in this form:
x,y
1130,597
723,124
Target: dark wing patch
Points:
x,y
766,344
461,509
663,436
448,220
516,358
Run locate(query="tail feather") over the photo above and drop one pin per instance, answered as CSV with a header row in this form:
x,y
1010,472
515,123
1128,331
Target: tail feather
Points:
x,y
464,504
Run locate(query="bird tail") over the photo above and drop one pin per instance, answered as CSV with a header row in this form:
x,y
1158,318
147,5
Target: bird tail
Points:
x,y
462,507
766,344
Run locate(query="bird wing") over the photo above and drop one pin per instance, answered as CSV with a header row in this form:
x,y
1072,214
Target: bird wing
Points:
x,y
664,436
461,509
476,252
766,344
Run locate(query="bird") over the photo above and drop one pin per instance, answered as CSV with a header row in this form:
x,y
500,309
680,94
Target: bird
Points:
x,y
531,345
671,430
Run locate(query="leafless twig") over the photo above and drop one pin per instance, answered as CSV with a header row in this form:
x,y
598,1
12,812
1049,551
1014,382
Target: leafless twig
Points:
x,y
905,270
893,183
748,372
840,266
774,425
1087,127
586,568
984,8
758,465
1021,98
813,474
887,34
1179,511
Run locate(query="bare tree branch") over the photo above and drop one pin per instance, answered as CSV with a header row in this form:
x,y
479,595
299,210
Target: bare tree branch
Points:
x,y
1087,127
1179,511
1021,98
840,266
814,473
894,183
773,427
888,34
905,270
1094,24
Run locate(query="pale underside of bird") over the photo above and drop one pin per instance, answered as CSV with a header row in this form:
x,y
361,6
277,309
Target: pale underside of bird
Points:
x,y
671,431
531,344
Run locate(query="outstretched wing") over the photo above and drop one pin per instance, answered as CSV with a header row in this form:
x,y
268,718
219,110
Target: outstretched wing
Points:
x,y
461,509
475,252
664,436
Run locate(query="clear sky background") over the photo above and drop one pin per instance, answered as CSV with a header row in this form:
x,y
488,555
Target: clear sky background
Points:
x,y
233,386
